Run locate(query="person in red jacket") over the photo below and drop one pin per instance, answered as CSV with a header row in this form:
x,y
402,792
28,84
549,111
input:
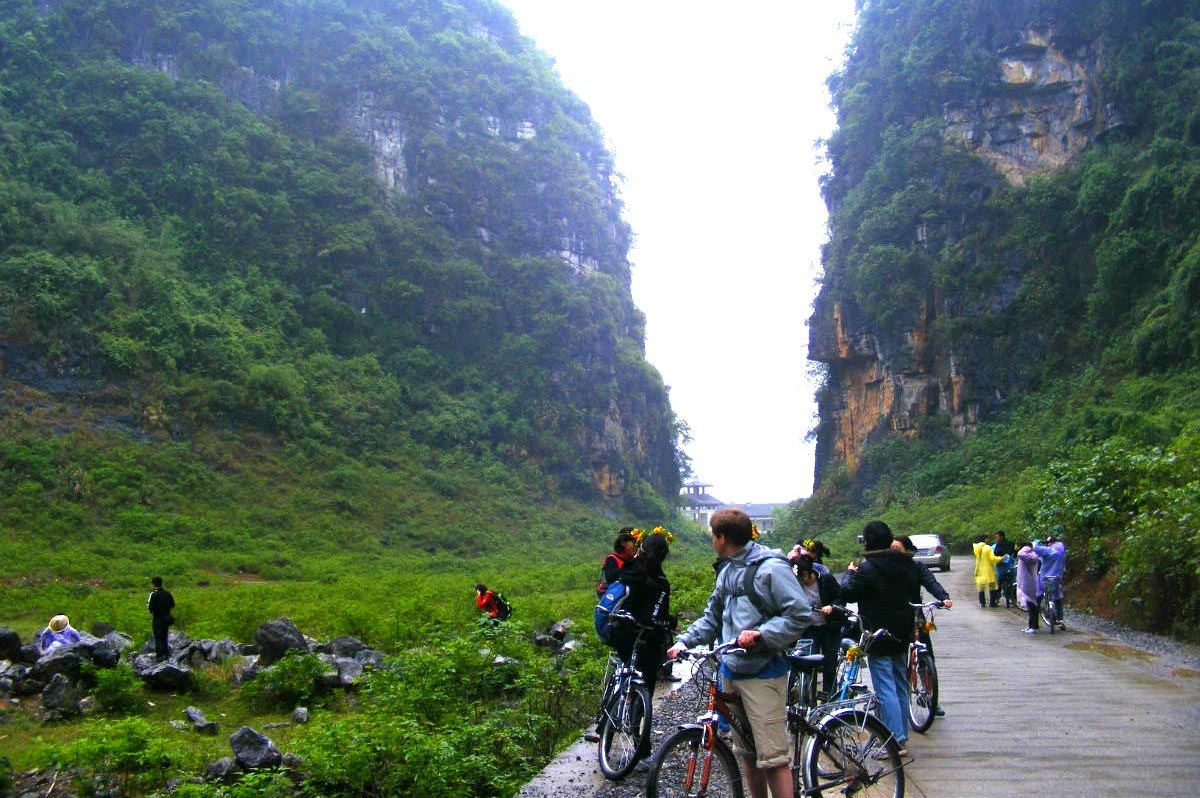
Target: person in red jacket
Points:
x,y
624,549
486,600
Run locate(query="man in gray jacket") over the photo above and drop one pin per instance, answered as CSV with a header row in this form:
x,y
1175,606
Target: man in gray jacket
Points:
x,y
766,620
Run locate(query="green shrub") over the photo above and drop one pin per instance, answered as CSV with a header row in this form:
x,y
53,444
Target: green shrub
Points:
x,y
126,757
118,690
295,680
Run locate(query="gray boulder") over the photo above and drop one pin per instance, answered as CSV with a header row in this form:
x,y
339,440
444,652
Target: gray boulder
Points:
x,y
106,651
10,644
275,638
254,750
29,654
60,699
369,658
200,723
67,661
223,770
162,674
346,646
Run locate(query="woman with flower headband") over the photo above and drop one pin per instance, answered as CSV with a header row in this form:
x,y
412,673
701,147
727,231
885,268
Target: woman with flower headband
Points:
x,y
650,603
814,550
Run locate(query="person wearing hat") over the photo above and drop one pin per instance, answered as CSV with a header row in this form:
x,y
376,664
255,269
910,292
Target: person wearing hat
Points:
x,y
57,634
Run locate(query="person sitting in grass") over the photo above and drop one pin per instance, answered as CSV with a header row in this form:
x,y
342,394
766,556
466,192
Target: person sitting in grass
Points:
x,y
57,634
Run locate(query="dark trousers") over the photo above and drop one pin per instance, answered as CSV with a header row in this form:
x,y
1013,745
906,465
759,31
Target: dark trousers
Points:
x,y
1033,614
161,627
649,662
826,640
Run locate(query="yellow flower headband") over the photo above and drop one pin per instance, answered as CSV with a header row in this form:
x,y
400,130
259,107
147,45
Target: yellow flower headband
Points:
x,y
754,531
639,535
808,543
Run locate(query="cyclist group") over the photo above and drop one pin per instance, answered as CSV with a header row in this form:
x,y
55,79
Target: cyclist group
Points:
x,y
1028,576
762,603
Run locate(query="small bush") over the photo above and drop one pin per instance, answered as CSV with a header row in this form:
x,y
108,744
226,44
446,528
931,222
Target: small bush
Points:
x,y
125,757
296,680
118,690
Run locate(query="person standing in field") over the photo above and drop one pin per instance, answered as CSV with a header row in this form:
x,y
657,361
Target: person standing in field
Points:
x,y
160,603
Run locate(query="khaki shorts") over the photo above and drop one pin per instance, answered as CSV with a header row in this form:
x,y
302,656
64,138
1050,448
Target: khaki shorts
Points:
x,y
764,706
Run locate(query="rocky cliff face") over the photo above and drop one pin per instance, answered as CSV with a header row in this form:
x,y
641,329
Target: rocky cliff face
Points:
x,y
1044,105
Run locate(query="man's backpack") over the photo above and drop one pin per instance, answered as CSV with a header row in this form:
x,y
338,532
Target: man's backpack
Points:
x,y
751,592
611,602
504,610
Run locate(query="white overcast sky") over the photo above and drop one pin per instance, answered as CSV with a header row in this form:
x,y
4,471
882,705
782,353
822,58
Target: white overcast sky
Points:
x,y
712,110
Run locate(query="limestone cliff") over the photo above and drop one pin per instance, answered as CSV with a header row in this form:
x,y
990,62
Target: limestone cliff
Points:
x,y
1041,103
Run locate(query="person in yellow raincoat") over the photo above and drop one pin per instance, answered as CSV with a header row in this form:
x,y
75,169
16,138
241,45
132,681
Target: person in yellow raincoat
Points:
x,y
985,570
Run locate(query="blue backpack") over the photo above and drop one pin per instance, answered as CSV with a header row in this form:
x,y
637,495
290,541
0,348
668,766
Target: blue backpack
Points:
x,y
611,602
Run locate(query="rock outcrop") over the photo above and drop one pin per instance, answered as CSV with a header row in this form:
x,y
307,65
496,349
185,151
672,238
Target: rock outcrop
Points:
x,y
1043,106
1047,105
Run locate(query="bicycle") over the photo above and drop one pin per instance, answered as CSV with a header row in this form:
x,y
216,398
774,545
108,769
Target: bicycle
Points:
x,y
922,671
853,655
1052,603
624,719
1008,586
838,747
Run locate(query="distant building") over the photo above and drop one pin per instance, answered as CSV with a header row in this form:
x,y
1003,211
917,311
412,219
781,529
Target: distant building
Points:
x,y
699,505
760,514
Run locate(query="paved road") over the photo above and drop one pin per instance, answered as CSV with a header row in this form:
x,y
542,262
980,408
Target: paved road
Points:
x,y
1031,716
1069,714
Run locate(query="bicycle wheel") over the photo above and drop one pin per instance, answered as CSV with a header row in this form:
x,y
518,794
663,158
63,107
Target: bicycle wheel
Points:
x,y
922,692
678,768
625,723
1048,612
852,753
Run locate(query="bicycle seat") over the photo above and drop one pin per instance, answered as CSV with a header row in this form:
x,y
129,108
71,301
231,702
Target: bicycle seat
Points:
x,y
805,661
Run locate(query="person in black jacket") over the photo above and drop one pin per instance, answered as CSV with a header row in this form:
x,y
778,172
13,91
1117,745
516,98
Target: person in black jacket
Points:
x,y
931,584
649,602
160,603
882,584
822,591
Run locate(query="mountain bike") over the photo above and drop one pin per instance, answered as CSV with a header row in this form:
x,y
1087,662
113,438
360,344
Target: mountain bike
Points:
x,y
1052,603
922,672
853,653
624,720
838,748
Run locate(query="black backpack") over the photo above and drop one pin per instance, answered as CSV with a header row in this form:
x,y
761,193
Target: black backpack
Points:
x,y
504,610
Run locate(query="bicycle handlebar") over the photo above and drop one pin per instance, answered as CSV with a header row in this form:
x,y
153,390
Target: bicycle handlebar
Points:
x,y
730,647
938,603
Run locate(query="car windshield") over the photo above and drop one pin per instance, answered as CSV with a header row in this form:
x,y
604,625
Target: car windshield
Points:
x,y
926,541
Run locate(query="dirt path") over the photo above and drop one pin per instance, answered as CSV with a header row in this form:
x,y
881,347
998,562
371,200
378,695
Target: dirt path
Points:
x,y
1080,713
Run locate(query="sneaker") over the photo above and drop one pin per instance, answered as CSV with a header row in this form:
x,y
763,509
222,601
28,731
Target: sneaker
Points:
x,y
642,766
592,736
1062,626
884,753
939,712
1029,630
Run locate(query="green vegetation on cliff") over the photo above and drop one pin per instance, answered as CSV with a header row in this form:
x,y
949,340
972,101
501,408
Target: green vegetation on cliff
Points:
x,y
1061,301
318,309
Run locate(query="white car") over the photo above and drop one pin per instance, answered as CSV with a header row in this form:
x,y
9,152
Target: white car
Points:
x,y
931,551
